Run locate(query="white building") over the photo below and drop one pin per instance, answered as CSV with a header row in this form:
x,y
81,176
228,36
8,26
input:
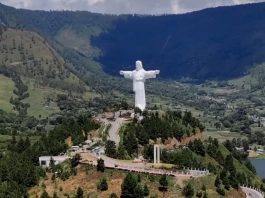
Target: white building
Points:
x,y
44,161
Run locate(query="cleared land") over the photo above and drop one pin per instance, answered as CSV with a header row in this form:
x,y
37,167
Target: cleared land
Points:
x,y
6,91
87,178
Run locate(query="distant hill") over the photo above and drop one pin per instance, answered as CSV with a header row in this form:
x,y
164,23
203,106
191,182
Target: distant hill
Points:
x,y
217,43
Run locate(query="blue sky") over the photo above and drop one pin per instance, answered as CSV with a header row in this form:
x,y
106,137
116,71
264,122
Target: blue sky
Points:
x,y
125,6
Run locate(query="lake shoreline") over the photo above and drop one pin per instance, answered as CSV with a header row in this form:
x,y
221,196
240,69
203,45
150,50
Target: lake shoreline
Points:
x,y
259,165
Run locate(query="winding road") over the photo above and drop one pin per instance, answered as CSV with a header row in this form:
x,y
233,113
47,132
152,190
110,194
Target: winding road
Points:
x,y
116,123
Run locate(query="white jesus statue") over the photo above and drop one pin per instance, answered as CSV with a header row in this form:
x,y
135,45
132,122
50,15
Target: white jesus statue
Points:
x,y
139,75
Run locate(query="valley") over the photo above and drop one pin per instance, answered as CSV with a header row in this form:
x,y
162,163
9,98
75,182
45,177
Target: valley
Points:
x,y
59,89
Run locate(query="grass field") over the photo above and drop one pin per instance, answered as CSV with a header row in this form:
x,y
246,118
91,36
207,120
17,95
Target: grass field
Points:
x,y
38,97
224,135
5,139
6,91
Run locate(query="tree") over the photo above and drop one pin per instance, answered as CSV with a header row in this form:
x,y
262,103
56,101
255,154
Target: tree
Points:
x,y
128,186
130,142
75,160
197,147
113,195
199,194
221,191
55,195
219,157
217,182
20,145
188,190
100,165
103,185
44,194
139,191
203,187
226,183
229,163
52,164
122,153
53,177
163,183
79,193
110,149
146,190
27,142
139,178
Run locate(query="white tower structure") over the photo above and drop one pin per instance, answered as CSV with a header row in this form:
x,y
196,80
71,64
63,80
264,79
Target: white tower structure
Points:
x,y
156,154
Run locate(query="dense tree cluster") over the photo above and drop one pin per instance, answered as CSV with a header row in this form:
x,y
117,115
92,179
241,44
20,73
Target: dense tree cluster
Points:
x,y
257,137
228,173
77,128
19,164
181,158
238,121
154,125
132,187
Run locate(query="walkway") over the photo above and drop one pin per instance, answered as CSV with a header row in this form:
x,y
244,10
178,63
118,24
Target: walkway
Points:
x,y
252,192
141,167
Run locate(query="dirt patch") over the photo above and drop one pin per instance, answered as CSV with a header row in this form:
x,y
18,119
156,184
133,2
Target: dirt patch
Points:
x,y
88,179
171,143
236,194
68,141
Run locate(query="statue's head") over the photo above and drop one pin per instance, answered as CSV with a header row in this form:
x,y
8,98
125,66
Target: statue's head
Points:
x,y
138,65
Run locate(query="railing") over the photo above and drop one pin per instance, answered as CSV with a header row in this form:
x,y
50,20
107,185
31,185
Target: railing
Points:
x,y
258,192
186,172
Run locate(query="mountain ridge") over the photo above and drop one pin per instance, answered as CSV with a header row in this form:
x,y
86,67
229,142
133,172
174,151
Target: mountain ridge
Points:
x,y
231,38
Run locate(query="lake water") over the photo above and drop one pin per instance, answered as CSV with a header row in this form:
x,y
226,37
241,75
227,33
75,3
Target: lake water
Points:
x,y
259,164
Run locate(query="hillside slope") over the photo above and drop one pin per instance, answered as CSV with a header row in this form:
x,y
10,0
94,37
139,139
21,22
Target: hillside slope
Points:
x,y
38,73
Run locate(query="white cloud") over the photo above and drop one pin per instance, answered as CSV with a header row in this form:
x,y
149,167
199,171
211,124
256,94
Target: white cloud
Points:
x,y
125,6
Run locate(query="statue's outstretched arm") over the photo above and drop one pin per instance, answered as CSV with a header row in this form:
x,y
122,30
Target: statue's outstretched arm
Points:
x,y
126,74
151,74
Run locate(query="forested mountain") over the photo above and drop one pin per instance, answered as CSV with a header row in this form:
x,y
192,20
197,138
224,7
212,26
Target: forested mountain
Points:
x,y
217,43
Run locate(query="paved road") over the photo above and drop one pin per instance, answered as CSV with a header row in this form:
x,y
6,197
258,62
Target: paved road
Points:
x,y
137,167
251,193
141,167
115,126
114,130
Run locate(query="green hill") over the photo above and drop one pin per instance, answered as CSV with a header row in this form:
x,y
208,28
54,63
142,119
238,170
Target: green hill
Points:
x,y
33,73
